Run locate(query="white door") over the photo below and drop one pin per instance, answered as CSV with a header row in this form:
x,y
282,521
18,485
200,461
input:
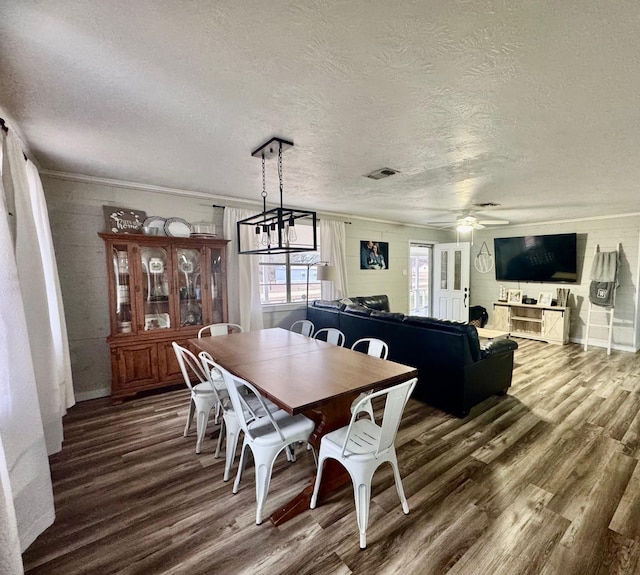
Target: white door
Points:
x,y
452,263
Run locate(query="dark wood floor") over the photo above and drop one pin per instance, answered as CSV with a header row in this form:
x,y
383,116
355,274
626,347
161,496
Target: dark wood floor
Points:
x,y
543,480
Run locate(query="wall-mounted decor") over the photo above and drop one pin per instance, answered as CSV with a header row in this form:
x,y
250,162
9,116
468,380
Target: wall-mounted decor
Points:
x,y
123,220
515,296
374,255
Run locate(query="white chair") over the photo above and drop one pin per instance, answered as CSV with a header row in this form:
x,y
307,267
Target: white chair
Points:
x,y
303,326
230,424
362,446
330,335
219,329
266,435
376,348
203,398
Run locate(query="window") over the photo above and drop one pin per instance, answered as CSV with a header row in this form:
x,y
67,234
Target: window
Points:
x,y
283,277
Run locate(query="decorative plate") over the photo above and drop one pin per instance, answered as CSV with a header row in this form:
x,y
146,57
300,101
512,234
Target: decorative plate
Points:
x,y
177,228
155,222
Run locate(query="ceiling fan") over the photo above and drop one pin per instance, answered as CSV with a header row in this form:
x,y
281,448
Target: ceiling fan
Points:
x,y
469,222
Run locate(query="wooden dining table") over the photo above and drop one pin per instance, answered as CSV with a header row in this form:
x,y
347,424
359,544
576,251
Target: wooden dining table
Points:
x,y
304,375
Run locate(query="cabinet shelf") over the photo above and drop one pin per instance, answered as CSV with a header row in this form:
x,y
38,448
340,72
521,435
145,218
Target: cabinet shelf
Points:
x,y
524,318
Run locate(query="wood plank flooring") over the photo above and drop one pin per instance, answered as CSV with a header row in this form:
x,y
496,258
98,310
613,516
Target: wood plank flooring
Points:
x,y
544,480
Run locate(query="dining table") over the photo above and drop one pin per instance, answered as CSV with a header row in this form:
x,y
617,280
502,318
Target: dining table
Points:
x,y
304,375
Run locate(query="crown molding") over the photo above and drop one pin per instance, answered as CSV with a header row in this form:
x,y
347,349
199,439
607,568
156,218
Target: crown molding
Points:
x,y
241,202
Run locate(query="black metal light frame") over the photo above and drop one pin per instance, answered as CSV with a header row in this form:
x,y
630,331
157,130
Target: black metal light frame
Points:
x,y
275,221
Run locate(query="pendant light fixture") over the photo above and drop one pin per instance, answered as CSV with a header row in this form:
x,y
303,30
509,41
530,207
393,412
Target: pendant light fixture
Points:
x,y
274,231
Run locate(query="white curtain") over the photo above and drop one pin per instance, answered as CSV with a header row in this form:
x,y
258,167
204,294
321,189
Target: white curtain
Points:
x,y
24,459
333,246
243,274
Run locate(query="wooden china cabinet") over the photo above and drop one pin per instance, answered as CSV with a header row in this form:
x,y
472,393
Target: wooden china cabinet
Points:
x,y
161,289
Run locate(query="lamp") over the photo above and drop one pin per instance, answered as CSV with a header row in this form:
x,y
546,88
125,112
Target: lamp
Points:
x,y
324,272
275,230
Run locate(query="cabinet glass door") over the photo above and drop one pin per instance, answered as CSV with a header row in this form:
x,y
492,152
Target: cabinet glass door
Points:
x,y
120,261
189,286
155,288
217,285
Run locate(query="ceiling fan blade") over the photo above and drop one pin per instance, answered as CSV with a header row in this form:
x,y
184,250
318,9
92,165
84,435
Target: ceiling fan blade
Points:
x,y
478,226
493,222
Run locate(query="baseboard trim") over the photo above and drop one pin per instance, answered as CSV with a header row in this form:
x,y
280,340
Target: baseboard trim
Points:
x,y
92,394
604,343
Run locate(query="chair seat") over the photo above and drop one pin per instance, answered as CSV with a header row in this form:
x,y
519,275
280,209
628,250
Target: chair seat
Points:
x,y
362,441
202,389
291,426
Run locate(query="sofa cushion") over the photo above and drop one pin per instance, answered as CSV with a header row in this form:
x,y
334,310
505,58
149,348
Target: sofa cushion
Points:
x,y
357,310
328,304
391,316
379,302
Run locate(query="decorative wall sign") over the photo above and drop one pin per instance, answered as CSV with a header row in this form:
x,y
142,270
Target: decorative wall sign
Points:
x,y
483,262
374,255
123,220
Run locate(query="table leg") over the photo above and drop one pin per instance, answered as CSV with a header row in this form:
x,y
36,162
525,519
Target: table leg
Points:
x,y
332,416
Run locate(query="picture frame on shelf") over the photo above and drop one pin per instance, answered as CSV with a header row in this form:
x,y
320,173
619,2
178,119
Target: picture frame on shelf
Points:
x,y
545,298
514,296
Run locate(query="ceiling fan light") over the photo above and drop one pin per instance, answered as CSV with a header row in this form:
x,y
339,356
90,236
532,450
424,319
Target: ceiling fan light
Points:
x,y
464,227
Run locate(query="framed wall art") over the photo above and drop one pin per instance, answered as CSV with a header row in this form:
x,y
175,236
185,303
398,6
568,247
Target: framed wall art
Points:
x,y
374,255
123,220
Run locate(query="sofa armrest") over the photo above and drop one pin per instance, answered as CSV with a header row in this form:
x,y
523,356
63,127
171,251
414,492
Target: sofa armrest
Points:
x,y
498,346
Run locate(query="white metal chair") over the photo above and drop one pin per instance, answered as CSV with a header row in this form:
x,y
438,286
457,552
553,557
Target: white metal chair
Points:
x,y
376,348
266,435
230,424
303,326
219,329
203,398
330,335
362,446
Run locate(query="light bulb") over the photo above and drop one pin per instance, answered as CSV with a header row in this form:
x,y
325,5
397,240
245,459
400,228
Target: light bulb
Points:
x,y
292,236
264,239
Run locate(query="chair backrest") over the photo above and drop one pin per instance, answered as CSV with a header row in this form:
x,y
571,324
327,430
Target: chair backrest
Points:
x,y
188,361
397,397
330,335
219,329
240,405
211,369
374,347
303,326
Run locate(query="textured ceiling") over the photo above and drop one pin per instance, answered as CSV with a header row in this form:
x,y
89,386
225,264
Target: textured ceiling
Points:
x,y
532,104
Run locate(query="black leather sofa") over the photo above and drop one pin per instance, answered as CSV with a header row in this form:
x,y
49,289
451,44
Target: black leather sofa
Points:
x,y
454,371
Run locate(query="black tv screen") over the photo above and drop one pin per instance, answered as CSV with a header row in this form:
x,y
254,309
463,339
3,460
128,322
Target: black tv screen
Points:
x,y
549,258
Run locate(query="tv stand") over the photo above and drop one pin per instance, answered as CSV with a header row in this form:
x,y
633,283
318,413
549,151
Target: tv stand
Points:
x,y
544,323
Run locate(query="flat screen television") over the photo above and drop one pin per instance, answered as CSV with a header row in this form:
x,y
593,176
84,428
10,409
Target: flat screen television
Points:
x,y
548,258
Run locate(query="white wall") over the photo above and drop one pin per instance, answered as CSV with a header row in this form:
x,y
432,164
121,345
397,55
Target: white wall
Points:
x,y
606,232
75,211
392,281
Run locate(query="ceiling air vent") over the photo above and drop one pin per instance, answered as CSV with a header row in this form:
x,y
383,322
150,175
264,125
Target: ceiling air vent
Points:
x,y
381,173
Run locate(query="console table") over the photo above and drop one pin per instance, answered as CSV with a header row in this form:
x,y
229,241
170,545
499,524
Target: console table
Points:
x,y
544,323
